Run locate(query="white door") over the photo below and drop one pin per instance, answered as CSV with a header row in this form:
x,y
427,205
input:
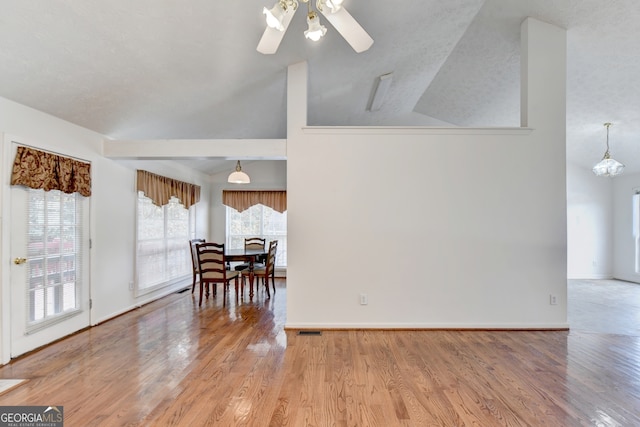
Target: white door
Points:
x,y
49,266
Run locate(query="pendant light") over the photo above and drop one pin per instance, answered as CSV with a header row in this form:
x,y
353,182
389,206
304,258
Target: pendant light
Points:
x,y
238,177
608,166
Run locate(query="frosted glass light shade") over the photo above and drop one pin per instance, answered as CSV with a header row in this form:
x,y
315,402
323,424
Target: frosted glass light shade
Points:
x,y
275,17
334,5
608,166
315,31
238,177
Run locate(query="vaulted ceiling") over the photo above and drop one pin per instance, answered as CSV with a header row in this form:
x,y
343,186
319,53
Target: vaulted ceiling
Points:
x,y
161,69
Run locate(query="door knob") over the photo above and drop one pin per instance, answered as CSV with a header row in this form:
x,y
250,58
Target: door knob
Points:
x,y
19,261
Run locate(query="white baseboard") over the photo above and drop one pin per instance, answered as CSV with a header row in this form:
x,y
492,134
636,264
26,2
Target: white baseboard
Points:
x,y
430,326
590,276
173,289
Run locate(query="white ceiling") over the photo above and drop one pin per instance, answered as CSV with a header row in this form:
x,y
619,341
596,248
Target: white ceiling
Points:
x,y
159,69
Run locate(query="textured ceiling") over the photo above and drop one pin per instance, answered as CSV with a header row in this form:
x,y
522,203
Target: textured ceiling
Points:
x,y
157,69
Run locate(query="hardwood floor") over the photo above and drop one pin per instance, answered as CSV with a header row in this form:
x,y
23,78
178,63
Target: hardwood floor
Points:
x,y
173,363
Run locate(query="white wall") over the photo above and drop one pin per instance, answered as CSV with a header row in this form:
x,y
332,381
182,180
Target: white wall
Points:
x,y
264,174
112,206
114,231
440,228
624,249
589,224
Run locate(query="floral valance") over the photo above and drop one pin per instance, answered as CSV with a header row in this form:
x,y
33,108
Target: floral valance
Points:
x,y
42,170
160,189
241,200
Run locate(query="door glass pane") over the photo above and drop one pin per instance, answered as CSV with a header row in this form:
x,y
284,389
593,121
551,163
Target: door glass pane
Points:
x,y
53,255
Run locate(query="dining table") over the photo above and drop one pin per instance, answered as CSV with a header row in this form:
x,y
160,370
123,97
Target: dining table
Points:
x,y
250,256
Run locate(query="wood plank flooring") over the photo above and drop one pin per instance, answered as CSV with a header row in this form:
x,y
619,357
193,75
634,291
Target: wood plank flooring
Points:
x,y
171,363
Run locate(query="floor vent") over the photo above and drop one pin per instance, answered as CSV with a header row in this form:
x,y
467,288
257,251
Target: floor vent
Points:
x,y
309,332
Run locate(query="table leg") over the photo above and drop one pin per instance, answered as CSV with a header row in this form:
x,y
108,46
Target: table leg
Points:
x,y
251,278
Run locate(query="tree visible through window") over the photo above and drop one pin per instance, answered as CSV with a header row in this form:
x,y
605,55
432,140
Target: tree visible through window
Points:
x,y
258,221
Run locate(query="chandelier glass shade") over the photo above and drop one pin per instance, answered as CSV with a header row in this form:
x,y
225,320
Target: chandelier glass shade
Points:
x,y
608,166
334,5
275,16
238,177
316,30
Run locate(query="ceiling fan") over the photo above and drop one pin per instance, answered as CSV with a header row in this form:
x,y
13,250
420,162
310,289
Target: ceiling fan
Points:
x,y
280,15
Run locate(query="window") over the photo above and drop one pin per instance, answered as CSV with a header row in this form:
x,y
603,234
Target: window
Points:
x,y
163,256
258,221
55,256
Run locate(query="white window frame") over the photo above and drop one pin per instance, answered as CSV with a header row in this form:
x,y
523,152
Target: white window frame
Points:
x,y
175,265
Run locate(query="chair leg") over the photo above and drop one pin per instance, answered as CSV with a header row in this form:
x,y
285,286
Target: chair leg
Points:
x,y
273,281
252,277
265,283
193,284
201,292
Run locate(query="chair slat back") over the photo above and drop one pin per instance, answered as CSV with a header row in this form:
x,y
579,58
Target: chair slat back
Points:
x,y
211,262
254,243
194,253
271,256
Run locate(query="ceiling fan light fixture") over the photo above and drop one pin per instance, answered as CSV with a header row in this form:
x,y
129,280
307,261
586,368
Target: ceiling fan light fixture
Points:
x,y
275,16
238,177
608,166
316,31
279,17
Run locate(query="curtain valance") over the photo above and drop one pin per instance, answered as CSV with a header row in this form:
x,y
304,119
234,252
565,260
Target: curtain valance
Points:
x,y
241,200
160,189
42,170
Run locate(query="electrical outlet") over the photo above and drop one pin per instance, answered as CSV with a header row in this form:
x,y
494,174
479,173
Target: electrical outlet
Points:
x,y
364,299
553,300
131,285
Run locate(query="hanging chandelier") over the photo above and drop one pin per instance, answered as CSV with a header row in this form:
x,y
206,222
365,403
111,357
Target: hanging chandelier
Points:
x,y
238,177
608,166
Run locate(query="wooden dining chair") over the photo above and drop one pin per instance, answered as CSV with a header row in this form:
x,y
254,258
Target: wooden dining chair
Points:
x,y
194,260
268,270
251,243
212,269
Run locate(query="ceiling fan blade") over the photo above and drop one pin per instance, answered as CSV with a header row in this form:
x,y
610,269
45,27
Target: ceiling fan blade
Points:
x,y
271,37
349,28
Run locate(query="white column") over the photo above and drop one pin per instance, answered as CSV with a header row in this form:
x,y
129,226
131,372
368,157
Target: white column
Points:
x,y
543,74
296,97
